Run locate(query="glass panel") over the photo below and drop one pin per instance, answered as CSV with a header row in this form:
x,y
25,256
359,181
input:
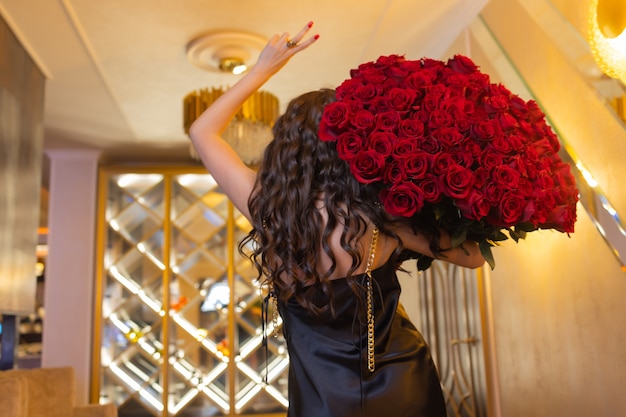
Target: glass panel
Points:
x,y
132,348
255,363
136,223
198,346
200,222
113,392
199,296
136,184
117,200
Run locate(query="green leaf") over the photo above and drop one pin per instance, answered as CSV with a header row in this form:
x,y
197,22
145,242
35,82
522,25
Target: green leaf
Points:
x,y
499,235
513,235
485,250
521,233
525,227
459,236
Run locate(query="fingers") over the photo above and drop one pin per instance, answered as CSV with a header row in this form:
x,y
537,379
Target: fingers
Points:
x,y
298,42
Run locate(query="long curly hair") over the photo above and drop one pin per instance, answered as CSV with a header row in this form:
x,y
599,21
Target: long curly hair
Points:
x,y
298,174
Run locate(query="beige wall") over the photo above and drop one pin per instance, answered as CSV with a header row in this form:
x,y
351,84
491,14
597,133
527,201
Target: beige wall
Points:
x,y
558,302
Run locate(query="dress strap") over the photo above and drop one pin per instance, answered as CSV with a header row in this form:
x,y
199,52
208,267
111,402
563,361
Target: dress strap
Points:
x,y
371,362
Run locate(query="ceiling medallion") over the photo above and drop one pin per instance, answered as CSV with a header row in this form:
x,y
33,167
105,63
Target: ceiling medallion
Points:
x,y
225,51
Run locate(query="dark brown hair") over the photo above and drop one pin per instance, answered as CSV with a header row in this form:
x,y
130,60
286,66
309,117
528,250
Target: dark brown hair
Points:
x,y
298,174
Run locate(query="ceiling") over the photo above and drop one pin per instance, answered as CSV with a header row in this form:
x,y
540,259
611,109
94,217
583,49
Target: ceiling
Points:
x,y
117,70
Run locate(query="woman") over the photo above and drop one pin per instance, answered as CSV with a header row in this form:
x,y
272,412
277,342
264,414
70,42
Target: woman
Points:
x,y
329,252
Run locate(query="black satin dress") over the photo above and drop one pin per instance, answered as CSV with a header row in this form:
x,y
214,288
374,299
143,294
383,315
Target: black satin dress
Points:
x,y
328,375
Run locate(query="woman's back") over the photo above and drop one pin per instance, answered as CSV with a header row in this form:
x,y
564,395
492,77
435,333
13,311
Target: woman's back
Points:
x,y
329,375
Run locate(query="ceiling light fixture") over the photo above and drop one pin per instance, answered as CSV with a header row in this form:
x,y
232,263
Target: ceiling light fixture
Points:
x,y
225,50
233,65
232,51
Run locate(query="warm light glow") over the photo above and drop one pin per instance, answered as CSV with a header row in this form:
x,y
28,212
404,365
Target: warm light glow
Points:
x,y
607,36
251,129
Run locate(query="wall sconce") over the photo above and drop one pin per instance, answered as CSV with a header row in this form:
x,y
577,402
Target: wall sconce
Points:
x,y
607,36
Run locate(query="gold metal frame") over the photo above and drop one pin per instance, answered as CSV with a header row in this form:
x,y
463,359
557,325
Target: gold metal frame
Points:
x,y
105,173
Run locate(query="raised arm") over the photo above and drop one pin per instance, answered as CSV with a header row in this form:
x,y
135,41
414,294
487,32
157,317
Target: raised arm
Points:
x,y
234,177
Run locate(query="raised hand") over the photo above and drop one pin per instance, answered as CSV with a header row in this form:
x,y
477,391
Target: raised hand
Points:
x,y
281,48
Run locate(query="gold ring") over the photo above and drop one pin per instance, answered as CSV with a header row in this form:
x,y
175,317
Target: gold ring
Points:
x,y
291,44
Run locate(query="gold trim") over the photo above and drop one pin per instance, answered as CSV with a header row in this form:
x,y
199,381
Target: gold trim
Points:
x,y
98,293
230,272
167,232
489,350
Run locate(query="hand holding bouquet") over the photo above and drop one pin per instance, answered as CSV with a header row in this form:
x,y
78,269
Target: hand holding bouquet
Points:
x,y
441,140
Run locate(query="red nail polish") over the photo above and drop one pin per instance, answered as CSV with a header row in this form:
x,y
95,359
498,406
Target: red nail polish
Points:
x,y
310,23
316,37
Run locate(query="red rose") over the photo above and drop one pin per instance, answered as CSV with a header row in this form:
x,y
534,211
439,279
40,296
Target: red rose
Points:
x,y
462,158
430,145
378,105
349,144
389,60
534,112
507,121
462,64
474,206
496,104
501,145
411,128
401,99
440,118
458,107
334,118
506,176
517,106
404,146
486,130
394,174
365,93
543,205
491,159
403,200
421,79
367,166
388,120
431,189
442,163
448,136
480,177
373,76
462,125
510,208
563,175
493,192
430,101
347,88
382,142
416,164
411,66
397,72
363,120
458,181
472,148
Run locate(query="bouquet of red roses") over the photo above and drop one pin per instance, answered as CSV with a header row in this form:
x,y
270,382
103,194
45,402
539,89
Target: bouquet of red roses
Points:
x,y
440,140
